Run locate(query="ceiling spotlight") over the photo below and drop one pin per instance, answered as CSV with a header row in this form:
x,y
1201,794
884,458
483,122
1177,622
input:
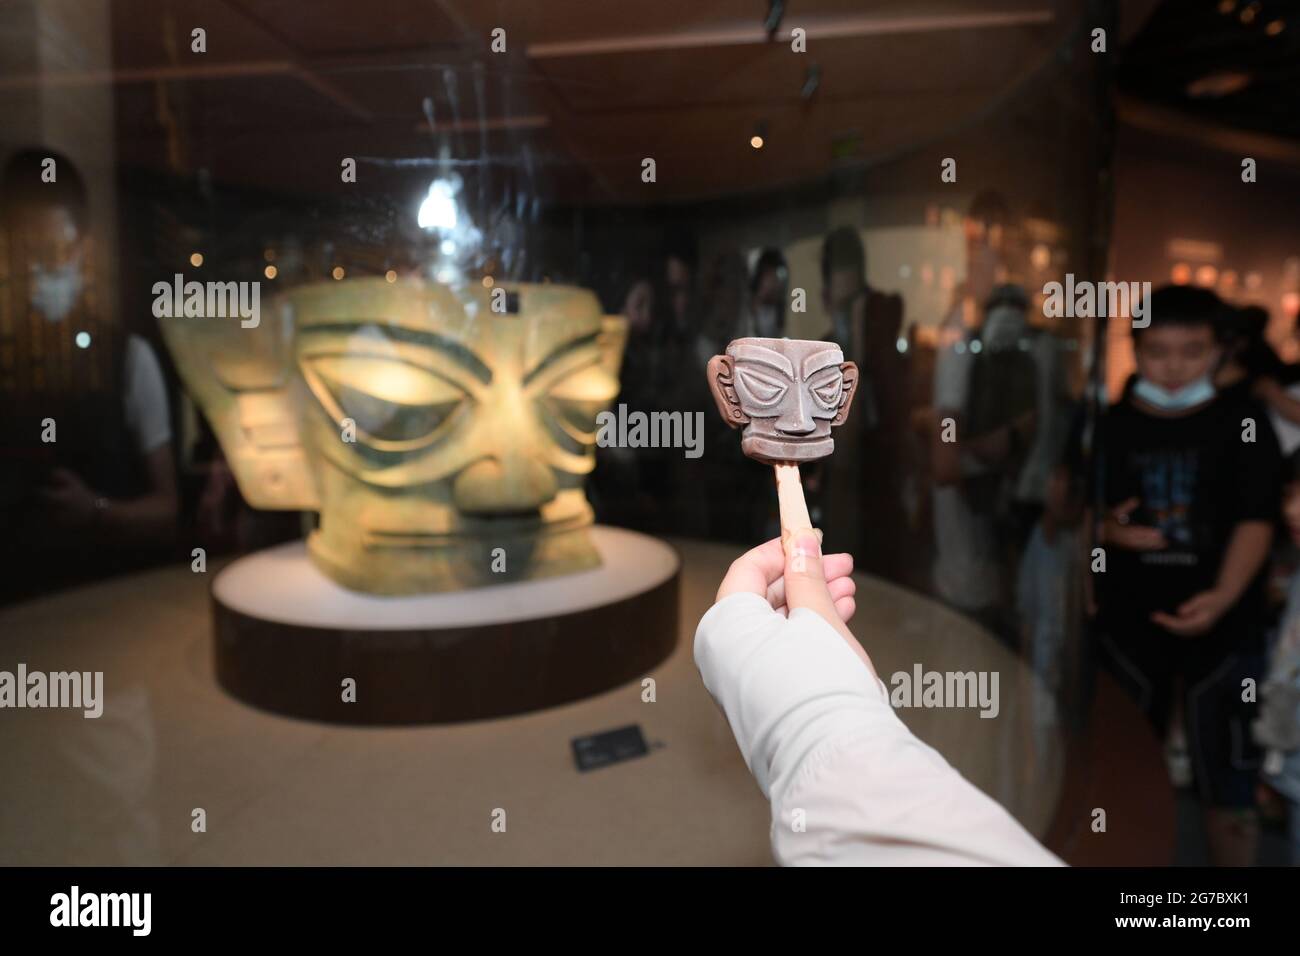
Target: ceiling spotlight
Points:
x,y
196,259
756,141
1275,27
1227,6
1249,12
338,272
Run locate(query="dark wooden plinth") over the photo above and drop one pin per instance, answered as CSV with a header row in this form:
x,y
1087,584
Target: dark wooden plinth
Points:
x,y
443,675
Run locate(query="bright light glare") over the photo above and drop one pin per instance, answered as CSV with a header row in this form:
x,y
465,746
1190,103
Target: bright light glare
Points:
x,y
438,210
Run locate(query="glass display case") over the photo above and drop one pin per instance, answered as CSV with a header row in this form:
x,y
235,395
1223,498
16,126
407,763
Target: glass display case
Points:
x,y
355,364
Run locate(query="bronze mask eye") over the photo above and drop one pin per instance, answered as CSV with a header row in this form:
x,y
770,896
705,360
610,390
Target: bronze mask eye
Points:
x,y
390,400
577,398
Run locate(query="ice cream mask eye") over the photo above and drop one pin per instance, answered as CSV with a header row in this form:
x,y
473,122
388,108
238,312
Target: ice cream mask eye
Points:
x,y
828,388
761,389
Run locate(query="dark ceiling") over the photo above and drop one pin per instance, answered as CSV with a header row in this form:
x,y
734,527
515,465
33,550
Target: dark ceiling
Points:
x,y
584,92
1234,63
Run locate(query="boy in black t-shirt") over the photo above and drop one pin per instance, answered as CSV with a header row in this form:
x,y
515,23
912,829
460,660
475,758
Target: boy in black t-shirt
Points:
x,y
1191,479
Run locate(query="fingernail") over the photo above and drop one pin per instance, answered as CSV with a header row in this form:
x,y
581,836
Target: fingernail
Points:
x,y
808,543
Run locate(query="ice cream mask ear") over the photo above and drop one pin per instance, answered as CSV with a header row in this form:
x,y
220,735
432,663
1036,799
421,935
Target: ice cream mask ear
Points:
x,y
786,394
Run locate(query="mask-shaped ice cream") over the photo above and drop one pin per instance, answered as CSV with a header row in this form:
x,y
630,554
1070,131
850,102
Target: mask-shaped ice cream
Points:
x,y
787,394
428,430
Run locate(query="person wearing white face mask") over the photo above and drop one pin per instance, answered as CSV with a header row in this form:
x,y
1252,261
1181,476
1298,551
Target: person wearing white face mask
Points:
x,y
88,484
1191,481
55,291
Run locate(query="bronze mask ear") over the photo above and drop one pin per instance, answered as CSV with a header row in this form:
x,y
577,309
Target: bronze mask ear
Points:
x,y
850,371
722,383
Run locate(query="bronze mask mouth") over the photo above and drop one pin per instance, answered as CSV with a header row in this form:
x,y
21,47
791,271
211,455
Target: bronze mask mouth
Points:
x,y
470,531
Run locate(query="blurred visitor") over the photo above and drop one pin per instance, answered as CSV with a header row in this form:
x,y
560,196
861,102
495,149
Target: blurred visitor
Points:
x,y
1191,493
769,287
724,306
633,487
1247,356
736,491
1278,727
1251,366
968,458
88,485
865,478
680,265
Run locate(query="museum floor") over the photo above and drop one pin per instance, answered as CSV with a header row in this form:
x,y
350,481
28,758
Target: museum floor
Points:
x,y
124,789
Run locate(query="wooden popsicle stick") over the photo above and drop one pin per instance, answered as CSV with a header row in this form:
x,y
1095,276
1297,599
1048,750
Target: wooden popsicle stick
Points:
x,y
789,494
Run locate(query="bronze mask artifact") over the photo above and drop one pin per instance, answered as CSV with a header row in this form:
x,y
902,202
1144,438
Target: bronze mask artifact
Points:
x,y
443,442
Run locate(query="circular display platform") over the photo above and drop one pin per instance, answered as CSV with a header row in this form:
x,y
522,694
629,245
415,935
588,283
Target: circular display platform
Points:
x,y
288,639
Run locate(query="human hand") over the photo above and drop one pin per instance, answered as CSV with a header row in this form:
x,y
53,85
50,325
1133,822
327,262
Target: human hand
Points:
x,y
1197,615
68,499
1117,530
795,576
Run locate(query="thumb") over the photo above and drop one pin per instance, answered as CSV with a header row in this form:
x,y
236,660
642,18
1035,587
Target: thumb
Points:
x,y
805,581
805,587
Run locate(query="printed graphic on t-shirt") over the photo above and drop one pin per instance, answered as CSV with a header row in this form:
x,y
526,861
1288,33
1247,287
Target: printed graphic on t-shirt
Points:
x,y
1168,490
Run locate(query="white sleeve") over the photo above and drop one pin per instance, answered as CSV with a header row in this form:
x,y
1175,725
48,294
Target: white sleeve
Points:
x,y
952,377
147,415
849,784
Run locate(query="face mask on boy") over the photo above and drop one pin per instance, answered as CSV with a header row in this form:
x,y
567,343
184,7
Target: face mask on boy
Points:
x,y
54,292
1189,396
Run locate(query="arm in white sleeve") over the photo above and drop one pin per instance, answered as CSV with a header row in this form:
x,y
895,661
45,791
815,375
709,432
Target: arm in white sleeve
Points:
x,y
145,399
849,784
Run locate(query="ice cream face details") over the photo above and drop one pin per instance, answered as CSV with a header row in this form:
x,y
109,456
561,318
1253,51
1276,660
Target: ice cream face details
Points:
x,y
787,394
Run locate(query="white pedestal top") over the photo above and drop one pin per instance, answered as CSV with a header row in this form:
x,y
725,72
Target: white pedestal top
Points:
x,y
281,584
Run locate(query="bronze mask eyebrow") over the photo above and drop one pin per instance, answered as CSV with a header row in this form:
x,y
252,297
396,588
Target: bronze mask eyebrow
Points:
x,y
456,351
